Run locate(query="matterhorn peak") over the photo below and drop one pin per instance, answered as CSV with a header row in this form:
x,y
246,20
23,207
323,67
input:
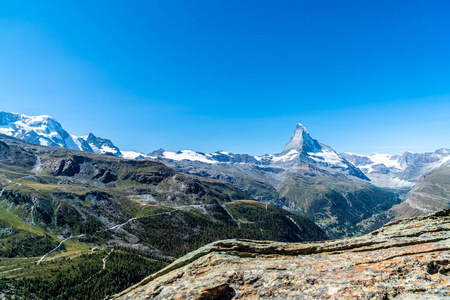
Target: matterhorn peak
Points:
x,y
302,141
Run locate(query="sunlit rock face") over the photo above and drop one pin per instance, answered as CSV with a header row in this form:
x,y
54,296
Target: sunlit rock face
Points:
x,y
407,259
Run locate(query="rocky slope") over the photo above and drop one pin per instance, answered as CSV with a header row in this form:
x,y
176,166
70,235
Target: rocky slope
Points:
x,y
407,259
431,193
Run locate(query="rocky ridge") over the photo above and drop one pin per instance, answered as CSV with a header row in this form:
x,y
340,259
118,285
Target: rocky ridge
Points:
x,y
405,259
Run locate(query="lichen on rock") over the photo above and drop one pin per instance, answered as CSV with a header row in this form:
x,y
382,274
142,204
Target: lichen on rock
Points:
x,y
406,259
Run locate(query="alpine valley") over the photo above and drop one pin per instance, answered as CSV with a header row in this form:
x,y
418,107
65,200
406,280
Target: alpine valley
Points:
x,y
77,224
81,218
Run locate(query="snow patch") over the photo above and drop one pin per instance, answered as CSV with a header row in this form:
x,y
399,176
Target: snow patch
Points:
x,y
437,164
135,155
292,154
188,155
43,142
389,161
144,197
329,157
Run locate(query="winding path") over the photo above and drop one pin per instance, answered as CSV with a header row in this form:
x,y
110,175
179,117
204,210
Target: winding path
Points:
x,y
59,245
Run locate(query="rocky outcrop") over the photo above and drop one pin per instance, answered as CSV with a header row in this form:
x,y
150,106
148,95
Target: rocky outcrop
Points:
x,y
406,259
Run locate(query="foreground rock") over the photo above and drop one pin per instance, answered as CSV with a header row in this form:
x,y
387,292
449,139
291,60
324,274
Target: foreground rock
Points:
x,y
406,259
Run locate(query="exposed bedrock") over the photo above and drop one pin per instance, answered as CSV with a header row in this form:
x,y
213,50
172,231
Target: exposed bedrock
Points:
x,y
406,259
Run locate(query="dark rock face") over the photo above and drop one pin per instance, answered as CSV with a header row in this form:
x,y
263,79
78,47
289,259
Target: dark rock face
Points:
x,y
105,176
407,259
68,166
12,154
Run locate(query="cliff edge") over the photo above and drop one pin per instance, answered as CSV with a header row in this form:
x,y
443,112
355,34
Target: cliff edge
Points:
x,y
405,259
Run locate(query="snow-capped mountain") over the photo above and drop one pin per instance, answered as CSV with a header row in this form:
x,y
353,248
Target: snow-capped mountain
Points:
x,y
45,130
307,176
398,171
101,145
302,151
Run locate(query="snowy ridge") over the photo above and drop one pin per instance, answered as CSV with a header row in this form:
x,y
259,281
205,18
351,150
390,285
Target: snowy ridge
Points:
x,y
46,131
189,155
136,155
301,152
101,145
371,163
329,157
43,130
291,155
398,171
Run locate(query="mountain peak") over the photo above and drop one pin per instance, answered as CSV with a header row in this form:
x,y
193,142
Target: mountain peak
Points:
x,y
302,141
47,131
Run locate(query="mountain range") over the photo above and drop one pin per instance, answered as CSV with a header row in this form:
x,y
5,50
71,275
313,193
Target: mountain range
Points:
x,y
62,195
344,193
398,171
56,204
46,131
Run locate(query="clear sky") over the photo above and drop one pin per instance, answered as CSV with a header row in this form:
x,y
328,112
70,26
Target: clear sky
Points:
x,y
362,76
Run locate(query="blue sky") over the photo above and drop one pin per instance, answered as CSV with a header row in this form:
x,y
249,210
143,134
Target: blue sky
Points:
x,y
362,76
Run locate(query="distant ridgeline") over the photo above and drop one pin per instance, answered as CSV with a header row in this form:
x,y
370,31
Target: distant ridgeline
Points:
x,y
346,194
